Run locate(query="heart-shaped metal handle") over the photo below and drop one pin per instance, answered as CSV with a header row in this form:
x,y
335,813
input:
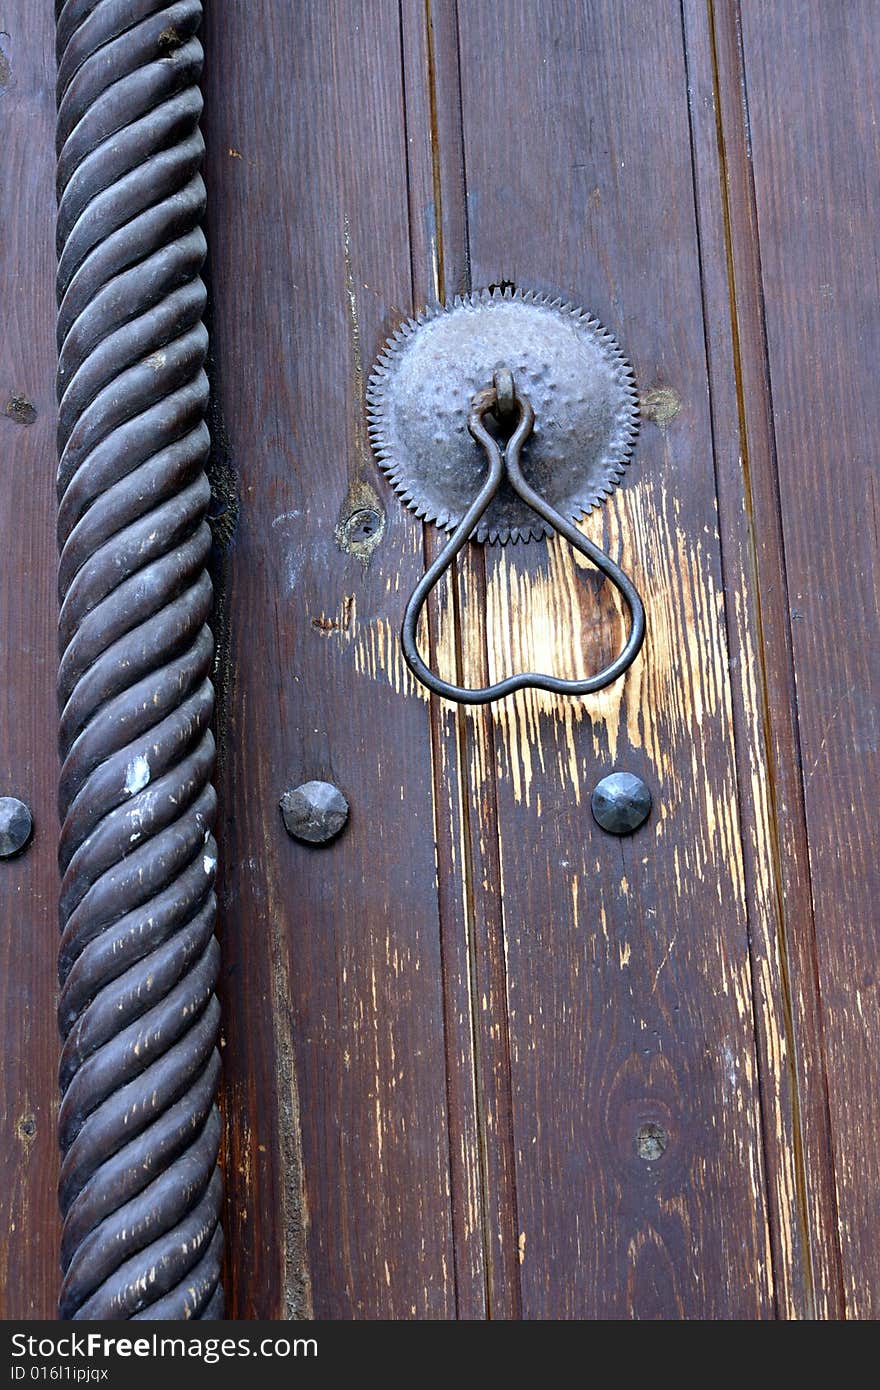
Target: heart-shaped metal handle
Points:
x,y
504,398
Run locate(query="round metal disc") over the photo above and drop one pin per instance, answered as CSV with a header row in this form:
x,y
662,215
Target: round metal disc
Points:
x,y
578,381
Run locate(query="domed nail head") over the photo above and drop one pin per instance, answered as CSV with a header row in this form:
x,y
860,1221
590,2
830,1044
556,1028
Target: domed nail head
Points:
x,y
16,824
621,803
315,812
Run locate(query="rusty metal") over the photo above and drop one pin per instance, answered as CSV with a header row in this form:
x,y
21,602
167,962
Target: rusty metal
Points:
x,y
139,1130
575,375
504,466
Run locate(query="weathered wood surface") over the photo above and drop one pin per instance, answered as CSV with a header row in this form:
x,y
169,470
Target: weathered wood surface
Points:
x,y
811,93
333,988
29,1225
479,1058
595,991
794,1099
629,979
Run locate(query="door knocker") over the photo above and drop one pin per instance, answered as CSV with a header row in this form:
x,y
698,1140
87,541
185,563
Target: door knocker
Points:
x,y
505,417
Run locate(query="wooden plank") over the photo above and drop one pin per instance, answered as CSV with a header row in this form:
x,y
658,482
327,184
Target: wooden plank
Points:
x,y
815,146
29,1227
614,989
781,927
436,220
338,1154
481,1148
640,1171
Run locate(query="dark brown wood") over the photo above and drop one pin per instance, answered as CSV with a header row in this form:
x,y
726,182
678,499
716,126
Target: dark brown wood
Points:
x,y
479,1058
815,147
781,928
333,992
609,942
29,1224
481,1143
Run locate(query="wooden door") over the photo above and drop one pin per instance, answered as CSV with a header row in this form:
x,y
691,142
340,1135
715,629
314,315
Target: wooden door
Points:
x,y
480,1058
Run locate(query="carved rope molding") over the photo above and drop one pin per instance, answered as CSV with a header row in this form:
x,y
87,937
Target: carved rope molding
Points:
x,y
139,1130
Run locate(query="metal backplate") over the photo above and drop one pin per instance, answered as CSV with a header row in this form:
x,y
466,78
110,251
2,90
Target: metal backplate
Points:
x,y
571,368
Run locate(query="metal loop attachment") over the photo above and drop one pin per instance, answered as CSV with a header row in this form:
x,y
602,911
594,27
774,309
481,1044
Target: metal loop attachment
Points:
x,y
506,400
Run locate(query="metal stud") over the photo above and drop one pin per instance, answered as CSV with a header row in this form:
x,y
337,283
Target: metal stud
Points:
x,y
16,824
621,803
315,812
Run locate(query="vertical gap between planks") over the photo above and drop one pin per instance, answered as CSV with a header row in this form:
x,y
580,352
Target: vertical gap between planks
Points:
x,y
432,721
483,721
459,739
429,550
731,633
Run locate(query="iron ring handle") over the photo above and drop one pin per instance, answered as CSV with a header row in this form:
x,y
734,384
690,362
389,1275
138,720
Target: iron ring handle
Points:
x,y
501,463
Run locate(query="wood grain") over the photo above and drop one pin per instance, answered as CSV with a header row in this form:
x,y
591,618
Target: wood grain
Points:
x,y
815,146
481,1060
333,997
629,976
29,1233
781,927
481,1138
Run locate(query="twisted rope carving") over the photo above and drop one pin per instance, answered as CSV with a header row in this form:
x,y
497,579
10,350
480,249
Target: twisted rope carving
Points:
x,y
139,1130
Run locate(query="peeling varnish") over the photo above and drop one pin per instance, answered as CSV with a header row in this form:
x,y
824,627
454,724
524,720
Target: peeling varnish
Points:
x,y
550,618
362,449
296,1292
767,960
678,692
342,623
16,1200
462,763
